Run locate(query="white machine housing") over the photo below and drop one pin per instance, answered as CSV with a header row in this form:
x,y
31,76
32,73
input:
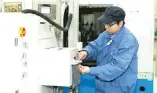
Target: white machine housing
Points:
x,y
31,63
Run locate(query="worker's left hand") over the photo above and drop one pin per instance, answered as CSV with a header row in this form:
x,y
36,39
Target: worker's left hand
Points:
x,y
83,69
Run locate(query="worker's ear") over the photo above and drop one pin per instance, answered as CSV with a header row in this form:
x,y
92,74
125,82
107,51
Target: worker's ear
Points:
x,y
121,23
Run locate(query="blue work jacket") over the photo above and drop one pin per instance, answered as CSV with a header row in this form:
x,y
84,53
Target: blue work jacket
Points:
x,y
116,59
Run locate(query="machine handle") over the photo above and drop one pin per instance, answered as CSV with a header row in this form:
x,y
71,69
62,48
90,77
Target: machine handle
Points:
x,y
75,62
49,20
16,41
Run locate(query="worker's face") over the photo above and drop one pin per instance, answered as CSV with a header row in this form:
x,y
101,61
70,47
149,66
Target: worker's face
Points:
x,y
113,27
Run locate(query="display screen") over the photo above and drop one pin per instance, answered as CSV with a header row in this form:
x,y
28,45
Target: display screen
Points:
x,y
45,9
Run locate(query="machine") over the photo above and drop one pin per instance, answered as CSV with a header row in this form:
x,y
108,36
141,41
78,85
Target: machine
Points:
x,y
38,65
32,46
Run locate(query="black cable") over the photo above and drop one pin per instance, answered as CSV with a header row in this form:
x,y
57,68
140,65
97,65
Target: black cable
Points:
x,y
49,20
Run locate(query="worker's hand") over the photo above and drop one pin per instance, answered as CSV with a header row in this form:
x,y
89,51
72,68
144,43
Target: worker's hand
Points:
x,y
83,69
82,55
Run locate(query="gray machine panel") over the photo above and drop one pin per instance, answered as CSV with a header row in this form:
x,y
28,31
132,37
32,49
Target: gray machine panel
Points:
x,y
48,9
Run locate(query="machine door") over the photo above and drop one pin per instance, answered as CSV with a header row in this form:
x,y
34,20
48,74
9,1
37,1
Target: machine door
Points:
x,y
10,56
141,24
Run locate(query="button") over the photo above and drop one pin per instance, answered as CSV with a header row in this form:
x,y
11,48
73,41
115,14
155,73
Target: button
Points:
x,y
75,57
142,88
22,31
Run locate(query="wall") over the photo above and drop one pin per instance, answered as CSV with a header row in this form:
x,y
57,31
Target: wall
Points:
x,y
155,2
155,10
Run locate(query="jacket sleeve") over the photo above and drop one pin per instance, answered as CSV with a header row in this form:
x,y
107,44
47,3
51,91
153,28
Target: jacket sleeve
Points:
x,y
92,47
119,64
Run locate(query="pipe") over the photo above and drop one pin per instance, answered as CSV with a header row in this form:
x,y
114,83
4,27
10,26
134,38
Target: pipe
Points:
x,y
49,20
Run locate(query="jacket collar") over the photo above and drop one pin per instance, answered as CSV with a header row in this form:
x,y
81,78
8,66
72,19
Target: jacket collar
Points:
x,y
116,37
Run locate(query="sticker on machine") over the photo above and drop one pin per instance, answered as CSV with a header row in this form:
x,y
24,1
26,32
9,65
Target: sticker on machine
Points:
x,y
12,6
145,75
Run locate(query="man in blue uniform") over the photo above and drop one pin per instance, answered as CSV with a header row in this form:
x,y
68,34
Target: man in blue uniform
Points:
x,y
115,52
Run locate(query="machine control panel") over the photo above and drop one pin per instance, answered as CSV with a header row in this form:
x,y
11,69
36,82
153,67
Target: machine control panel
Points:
x,y
48,9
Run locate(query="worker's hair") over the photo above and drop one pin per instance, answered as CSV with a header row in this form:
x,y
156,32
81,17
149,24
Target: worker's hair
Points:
x,y
118,21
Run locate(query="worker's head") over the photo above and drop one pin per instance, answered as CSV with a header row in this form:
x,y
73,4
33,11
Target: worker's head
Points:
x,y
113,19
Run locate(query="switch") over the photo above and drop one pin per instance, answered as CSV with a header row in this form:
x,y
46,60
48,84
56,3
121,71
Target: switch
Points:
x,y
75,57
22,31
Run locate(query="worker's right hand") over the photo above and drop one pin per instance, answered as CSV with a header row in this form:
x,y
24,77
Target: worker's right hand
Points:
x,y
82,55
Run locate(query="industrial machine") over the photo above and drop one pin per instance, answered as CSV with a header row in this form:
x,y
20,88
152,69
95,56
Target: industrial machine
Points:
x,y
33,48
38,65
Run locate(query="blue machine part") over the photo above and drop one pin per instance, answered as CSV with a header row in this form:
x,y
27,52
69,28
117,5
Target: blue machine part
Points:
x,y
88,84
144,86
65,90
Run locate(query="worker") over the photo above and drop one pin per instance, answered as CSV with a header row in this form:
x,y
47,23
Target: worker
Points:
x,y
115,51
